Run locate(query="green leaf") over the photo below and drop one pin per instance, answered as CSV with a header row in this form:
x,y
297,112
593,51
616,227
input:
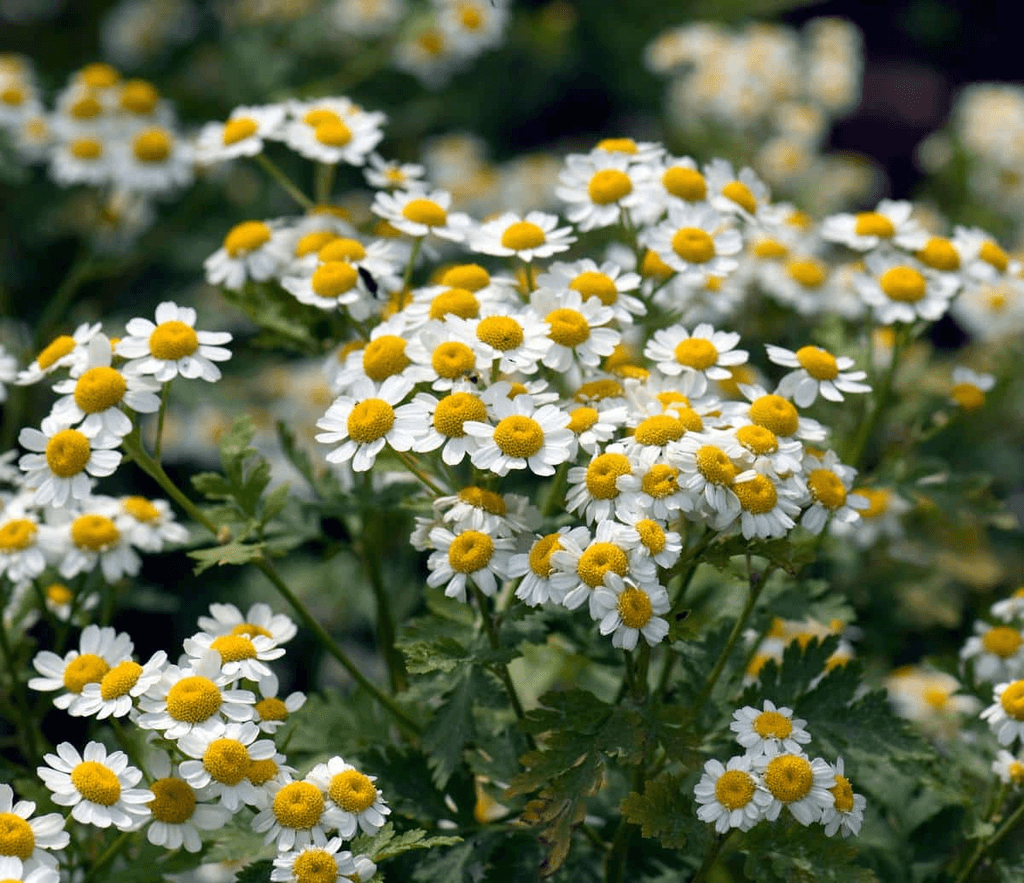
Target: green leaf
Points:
x,y
230,553
787,852
452,726
422,657
275,502
785,684
386,843
212,485
462,863
665,812
257,872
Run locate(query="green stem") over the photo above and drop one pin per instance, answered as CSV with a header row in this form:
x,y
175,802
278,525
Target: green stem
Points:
x,y
881,402
556,493
415,253
158,443
410,464
711,856
323,181
370,550
20,697
985,845
528,273
275,172
126,746
109,854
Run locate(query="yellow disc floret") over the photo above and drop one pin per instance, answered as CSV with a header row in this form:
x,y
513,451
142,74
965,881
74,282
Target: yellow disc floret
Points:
x,y
740,193
271,709
96,782
193,699
1002,640
842,792
660,481
757,440
873,224
685,183
541,552
352,791
714,464
696,352
238,129
16,836
173,801
120,680
246,237
608,186
226,760
459,302
140,509
519,436
426,212
333,133
809,272
67,452
597,560
470,551
454,410
452,359
341,248
17,534
967,396
659,430
385,356
173,340
772,725
57,349
1012,700
315,866
233,648
469,276
501,332
88,668
789,777
522,235
634,607
152,145
734,789
775,413
940,254
603,472
652,535
903,284
298,805
100,388
370,420
819,363
569,328
757,496
992,254
827,488
594,284
86,148
333,279
693,245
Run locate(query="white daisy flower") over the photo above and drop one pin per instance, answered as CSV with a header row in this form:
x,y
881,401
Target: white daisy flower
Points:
x,y
450,353
155,160
250,251
513,339
65,460
332,285
83,160
259,619
1008,767
115,693
441,423
743,194
93,401
969,388
769,731
172,346
695,357
695,241
799,784
767,505
477,508
882,517
607,283
382,174
626,611
420,213
595,490
667,180
708,472
731,796
766,452
321,860
536,569
653,487
829,484
333,130
223,763
575,329
366,420
194,698
1006,715
818,371
100,650
149,524
1009,609
178,814
272,712
996,653
28,840
664,546
931,699
902,290
889,223
352,794
294,814
22,555
94,537
64,351
775,412
242,134
641,151
432,305
847,811
241,656
470,554
537,235
100,787
522,437
599,187
983,258
595,425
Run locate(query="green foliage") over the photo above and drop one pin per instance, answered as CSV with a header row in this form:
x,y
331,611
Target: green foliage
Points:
x,y
665,812
257,872
797,853
284,322
387,843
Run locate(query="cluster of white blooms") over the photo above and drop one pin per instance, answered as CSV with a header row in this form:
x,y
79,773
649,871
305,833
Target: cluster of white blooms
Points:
x,y
209,755
773,773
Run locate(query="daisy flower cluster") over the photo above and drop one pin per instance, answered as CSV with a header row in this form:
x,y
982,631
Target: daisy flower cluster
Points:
x,y
209,753
775,773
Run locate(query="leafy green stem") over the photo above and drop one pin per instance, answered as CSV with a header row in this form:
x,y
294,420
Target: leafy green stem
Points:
x,y
415,253
711,856
277,173
159,441
986,844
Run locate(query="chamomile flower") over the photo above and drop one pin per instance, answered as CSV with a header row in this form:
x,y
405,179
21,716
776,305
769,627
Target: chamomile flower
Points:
x,y
818,371
512,339
654,487
743,194
470,554
333,130
522,436
223,760
575,329
536,569
984,259
178,814
890,223
695,241
901,290
383,174
969,388
695,357
765,451
829,485
115,693
472,26
882,517
332,285
243,134
1006,715
595,425
352,794
64,351
83,160
100,650
241,656
93,538
1008,768
294,813
366,420
996,652
172,346
797,783
149,524
93,401
708,472
847,811
441,422
537,235
664,546
607,283
259,619
599,188
194,698
767,505
594,490
730,795
65,459
1009,609
155,160
250,251
626,611
99,787
419,212
321,860
272,712
769,731
21,554
778,414
26,840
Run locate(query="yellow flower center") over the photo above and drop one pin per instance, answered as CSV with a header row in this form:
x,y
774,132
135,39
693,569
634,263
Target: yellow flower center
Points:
x,y
775,413
684,183
936,697
261,771
809,272
139,97
339,248
519,436
318,116
120,680
939,254
454,410
714,464
758,495
86,108
772,725
472,277
1016,772
470,551
842,792
369,420
426,212
272,709
385,356
595,390
67,452
541,552
16,836
96,783
741,195
602,473
85,669
992,254
99,388
56,350
652,534
827,488
599,558
634,607
86,148
333,133
967,396
460,302
58,594
903,284
452,359
770,249
352,791
659,430
431,42
99,75
593,284
757,440
12,96
333,278
140,509
173,801
522,235
654,267
483,499
878,501
734,789
819,363
315,866
1002,640
298,805
569,328
17,534
1012,700
693,245
238,129
246,237
873,224
608,186
501,332
226,760
618,145
789,777
697,353
470,18
152,145
193,699
233,648
660,481
173,340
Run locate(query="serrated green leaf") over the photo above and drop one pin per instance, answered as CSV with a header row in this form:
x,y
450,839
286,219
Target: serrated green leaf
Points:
x,y
462,863
212,485
230,553
387,843
666,813
257,872
275,502
452,727
786,683
423,657
799,853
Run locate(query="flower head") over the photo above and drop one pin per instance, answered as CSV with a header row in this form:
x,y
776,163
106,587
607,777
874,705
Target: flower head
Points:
x,y
172,346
